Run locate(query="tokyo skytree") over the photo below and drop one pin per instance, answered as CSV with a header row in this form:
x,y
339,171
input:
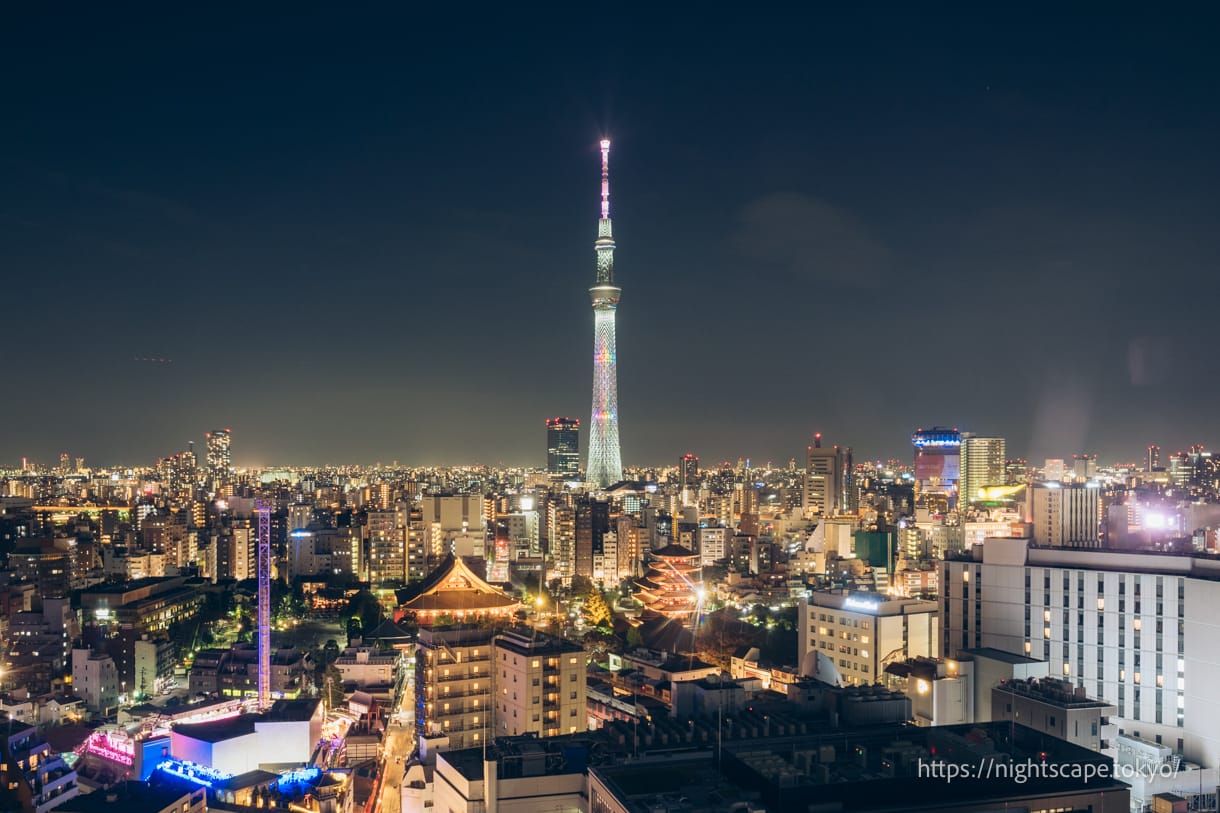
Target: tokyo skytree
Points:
x,y
605,460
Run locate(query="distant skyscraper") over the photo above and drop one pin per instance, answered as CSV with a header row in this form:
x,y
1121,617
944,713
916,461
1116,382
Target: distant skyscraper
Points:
x,y
605,458
982,464
1154,458
219,459
688,471
563,448
828,488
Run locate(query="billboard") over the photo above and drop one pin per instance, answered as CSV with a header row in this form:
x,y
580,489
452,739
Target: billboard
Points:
x,y
931,467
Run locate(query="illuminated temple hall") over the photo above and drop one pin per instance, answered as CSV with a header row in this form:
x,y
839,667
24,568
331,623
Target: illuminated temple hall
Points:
x,y
456,592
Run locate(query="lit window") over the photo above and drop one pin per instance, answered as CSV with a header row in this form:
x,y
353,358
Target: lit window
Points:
x,y
1046,616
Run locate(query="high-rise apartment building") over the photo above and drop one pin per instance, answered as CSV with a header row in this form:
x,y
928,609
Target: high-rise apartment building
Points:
x,y
386,535
219,460
563,448
561,530
982,464
592,525
453,684
540,684
1153,462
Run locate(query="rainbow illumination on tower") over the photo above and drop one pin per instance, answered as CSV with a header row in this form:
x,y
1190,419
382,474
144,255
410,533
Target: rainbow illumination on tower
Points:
x,y
605,458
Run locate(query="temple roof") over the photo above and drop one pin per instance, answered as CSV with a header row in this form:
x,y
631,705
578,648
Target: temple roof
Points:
x,y
674,550
453,587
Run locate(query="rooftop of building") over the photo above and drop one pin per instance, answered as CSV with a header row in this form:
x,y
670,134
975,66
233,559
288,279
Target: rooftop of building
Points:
x,y
877,604
130,796
666,661
295,710
218,730
991,653
455,635
528,641
1018,552
1052,691
526,755
863,769
132,585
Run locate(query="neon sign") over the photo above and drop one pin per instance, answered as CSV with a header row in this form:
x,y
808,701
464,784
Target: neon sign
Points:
x,y
863,604
193,772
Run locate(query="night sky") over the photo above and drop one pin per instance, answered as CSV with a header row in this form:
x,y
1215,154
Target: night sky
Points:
x,y
369,236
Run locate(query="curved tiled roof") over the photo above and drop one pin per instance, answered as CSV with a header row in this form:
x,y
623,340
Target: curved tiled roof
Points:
x,y
454,587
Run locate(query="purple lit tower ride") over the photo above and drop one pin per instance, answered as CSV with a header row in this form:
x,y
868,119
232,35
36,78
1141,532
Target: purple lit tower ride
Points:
x,y
264,604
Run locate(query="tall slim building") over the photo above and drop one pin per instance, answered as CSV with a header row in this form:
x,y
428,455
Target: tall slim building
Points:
x,y
605,458
982,464
563,448
1154,458
688,471
828,488
219,459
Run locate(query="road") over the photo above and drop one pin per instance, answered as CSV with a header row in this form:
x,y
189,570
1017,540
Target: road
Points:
x,y
399,744
398,747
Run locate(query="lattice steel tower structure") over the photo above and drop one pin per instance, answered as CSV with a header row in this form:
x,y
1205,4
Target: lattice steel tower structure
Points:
x,y
605,459
263,510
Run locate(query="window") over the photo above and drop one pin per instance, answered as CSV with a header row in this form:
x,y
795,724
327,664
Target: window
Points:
x,y
573,695
572,678
536,664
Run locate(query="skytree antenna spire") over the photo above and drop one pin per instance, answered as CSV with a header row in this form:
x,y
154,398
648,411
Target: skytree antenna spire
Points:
x,y
605,459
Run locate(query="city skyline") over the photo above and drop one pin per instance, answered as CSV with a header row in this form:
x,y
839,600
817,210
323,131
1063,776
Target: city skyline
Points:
x,y
970,235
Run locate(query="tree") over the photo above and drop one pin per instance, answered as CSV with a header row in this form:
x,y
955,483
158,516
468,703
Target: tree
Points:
x,y
581,585
330,651
634,639
365,606
596,610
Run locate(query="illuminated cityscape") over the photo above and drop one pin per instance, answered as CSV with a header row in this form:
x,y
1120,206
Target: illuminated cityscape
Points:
x,y
836,564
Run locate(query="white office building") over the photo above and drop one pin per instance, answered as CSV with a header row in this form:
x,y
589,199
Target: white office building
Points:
x,y
1117,624
864,632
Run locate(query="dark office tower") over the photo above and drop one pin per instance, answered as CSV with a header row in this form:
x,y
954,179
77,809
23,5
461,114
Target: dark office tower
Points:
x,y
563,448
592,523
1154,458
688,471
219,459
